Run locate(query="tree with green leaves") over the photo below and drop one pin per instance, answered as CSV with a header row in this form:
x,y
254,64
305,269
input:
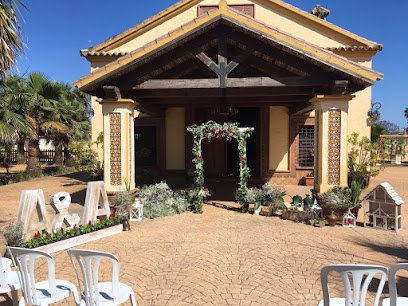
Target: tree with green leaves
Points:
x,y
14,96
406,113
41,112
11,44
74,111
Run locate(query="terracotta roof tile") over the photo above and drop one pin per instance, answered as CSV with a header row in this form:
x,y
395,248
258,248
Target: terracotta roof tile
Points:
x,y
377,47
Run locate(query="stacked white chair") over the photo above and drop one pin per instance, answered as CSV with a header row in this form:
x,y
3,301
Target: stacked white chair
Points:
x,y
394,299
9,282
360,284
95,293
44,292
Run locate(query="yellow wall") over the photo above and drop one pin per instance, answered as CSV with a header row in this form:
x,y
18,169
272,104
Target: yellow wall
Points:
x,y
278,138
97,119
279,126
262,13
359,106
175,138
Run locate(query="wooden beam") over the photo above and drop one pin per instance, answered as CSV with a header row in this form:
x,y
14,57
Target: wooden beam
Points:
x,y
238,60
339,87
222,59
208,62
233,83
112,92
301,109
221,92
265,100
151,110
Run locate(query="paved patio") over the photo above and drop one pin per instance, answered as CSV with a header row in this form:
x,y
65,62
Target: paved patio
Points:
x,y
223,257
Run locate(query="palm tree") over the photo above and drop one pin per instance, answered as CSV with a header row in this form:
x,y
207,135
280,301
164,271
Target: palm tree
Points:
x,y
72,109
406,113
14,95
10,35
42,115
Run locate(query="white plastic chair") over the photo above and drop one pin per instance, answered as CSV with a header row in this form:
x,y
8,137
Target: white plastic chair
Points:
x,y
394,299
95,293
359,287
9,283
45,292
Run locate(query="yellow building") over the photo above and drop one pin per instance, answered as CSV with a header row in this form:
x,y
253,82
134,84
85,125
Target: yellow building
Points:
x,y
303,83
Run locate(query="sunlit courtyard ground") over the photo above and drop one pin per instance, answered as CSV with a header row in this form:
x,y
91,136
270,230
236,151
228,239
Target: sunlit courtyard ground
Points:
x,y
224,257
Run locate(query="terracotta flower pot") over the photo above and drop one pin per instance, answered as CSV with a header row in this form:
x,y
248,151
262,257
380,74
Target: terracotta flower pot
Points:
x,y
309,180
332,219
339,213
267,210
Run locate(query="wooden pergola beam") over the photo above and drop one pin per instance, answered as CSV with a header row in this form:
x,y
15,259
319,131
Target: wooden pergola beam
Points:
x,y
232,83
149,109
112,92
301,109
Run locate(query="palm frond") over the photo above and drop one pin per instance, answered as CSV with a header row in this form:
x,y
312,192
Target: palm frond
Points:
x,y
11,43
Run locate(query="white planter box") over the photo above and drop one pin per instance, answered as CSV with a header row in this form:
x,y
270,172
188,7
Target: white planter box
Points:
x,y
74,241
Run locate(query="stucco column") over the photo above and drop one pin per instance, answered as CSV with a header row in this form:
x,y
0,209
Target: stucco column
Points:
x,y
118,144
330,140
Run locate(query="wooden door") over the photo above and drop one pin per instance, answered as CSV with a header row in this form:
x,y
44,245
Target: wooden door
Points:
x,y
214,151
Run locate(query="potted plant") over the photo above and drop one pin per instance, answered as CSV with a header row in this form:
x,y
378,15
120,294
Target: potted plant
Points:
x,y
322,221
254,196
336,201
307,202
297,201
362,160
309,179
123,203
272,199
313,220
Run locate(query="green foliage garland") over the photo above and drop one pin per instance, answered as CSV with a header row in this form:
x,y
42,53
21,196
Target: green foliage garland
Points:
x,y
212,130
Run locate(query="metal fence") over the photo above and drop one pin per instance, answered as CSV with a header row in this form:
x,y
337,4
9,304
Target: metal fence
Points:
x,y
46,156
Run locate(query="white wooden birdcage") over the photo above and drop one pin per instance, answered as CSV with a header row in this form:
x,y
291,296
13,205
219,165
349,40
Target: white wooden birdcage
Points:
x,y
383,208
349,220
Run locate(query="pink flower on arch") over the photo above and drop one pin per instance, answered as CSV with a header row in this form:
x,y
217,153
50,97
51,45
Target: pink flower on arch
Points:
x,y
198,158
241,159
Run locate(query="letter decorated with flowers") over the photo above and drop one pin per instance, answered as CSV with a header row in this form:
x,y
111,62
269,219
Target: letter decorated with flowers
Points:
x,y
212,130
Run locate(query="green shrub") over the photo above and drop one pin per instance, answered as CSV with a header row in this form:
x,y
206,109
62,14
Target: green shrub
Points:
x,y
159,201
273,196
14,234
336,198
123,202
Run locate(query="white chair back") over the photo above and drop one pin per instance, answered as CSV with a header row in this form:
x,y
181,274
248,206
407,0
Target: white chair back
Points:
x,y
360,287
85,259
4,287
25,260
392,281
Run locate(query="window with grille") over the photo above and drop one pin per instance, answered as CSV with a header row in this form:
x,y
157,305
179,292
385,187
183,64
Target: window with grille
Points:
x,y
306,146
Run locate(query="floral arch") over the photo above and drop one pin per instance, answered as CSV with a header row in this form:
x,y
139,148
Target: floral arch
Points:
x,y
228,131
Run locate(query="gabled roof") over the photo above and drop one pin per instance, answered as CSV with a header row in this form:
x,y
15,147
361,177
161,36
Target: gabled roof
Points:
x,y
352,39
389,191
299,46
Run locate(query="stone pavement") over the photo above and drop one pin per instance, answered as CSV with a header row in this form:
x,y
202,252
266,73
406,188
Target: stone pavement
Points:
x,y
223,257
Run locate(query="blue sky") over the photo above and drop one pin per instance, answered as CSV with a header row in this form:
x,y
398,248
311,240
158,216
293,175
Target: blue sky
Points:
x,y
55,31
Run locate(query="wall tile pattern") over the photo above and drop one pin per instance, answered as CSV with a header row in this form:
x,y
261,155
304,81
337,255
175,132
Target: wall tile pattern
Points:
x,y
115,150
334,147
